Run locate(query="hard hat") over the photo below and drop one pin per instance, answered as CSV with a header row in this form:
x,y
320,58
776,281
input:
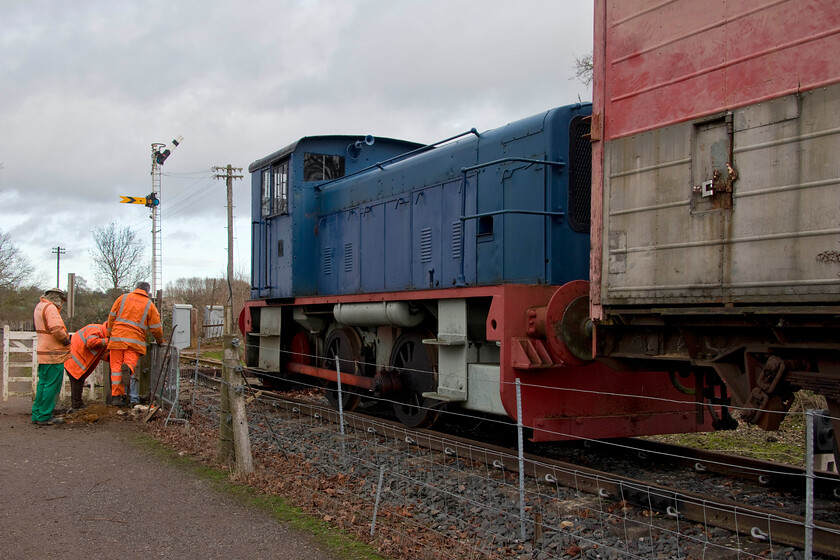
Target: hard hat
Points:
x,y
57,291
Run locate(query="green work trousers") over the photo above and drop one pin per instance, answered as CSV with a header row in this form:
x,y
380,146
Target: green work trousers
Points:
x,y
50,377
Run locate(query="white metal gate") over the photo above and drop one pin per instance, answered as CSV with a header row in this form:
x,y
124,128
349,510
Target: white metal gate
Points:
x,y
19,364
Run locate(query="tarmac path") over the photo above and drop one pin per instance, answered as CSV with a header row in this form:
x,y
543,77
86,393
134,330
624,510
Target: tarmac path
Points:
x,y
88,491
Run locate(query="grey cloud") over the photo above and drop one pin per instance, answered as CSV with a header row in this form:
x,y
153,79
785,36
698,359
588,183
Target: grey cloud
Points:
x,y
88,85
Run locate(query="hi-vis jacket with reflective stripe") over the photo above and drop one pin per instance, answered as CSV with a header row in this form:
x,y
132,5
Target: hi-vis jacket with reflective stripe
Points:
x,y
132,317
87,347
52,334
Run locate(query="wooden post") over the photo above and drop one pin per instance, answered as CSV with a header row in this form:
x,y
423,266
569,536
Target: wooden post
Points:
x,y
234,442
241,438
538,528
226,451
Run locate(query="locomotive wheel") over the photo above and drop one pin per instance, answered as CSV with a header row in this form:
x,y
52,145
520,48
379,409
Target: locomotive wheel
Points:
x,y
344,344
416,364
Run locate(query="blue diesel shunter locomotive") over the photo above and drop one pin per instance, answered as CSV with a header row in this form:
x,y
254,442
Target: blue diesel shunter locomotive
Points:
x,y
376,215
435,276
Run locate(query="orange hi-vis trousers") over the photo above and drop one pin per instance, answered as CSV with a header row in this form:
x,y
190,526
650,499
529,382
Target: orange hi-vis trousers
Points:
x,y
118,358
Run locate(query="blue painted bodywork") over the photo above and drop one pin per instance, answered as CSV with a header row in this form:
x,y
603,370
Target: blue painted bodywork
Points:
x,y
399,225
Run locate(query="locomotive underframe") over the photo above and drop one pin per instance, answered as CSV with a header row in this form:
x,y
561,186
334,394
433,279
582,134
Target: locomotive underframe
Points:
x,y
762,354
468,351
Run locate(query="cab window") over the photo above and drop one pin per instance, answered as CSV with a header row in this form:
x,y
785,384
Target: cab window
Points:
x,y
265,203
274,199
281,188
322,167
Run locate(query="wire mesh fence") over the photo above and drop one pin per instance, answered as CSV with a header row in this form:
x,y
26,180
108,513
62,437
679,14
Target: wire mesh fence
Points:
x,y
165,382
448,500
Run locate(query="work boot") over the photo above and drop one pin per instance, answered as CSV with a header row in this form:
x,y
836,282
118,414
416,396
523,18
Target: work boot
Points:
x,y
76,387
118,401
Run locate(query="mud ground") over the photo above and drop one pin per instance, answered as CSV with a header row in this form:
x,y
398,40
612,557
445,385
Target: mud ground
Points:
x,y
88,489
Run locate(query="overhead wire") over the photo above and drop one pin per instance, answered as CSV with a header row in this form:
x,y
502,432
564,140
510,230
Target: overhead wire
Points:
x,y
202,184
182,200
200,189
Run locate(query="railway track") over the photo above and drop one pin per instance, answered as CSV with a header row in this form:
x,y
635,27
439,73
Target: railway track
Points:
x,y
692,506
190,359
763,474
649,491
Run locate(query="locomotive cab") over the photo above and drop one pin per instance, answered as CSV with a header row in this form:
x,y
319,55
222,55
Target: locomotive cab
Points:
x,y
284,205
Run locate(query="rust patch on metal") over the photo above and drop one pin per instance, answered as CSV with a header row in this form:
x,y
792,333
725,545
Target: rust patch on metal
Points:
x,y
829,256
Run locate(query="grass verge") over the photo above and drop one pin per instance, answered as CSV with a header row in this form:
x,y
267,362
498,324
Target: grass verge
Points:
x,y
785,445
333,540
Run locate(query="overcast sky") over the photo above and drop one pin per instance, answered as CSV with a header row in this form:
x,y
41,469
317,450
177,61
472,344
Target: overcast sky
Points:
x,y
86,86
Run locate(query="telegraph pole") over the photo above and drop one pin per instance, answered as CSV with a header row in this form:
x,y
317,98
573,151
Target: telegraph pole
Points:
x,y
58,251
234,442
228,175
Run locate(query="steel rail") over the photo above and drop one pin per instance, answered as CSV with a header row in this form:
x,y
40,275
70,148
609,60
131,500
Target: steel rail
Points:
x,y
759,471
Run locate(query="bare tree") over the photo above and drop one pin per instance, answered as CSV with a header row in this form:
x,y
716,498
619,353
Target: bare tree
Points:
x,y
198,292
584,69
118,258
204,292
241,289
15,268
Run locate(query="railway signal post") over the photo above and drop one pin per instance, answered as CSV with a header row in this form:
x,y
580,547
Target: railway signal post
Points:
x,y
159,156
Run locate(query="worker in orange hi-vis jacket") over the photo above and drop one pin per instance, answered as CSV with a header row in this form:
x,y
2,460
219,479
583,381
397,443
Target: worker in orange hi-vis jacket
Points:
x,y
88,346
53,346
133,316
